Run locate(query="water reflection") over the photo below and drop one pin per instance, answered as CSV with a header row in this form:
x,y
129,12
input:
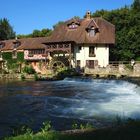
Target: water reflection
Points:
x,y
62,102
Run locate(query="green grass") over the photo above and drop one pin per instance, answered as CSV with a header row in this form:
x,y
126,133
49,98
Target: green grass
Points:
x,y
128,131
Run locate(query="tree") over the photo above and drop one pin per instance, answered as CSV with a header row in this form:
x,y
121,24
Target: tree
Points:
x,y
57,24
46,32
6,30
37,33
136,5
127,24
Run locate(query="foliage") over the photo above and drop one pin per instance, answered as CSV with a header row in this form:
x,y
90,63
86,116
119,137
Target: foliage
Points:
x,y
75,126
24,130
126,21
129,67
6,30
28,69
8,57
57,24
82,126
127,131
37,33
13,64
35,76
66,72
46,126
22,76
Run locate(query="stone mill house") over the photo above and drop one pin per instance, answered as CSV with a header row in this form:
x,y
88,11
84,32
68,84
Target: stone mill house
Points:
x,y
75,43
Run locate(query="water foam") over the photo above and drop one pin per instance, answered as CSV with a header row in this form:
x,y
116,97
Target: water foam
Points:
x,y
101,98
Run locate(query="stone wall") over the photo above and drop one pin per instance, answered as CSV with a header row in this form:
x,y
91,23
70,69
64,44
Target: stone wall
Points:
x,y
117,70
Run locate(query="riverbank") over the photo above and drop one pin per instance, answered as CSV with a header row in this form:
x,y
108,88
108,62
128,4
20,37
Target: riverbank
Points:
x,y
58,98
39,77
128,131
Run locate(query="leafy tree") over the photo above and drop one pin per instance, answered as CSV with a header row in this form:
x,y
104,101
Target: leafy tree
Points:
x,y
37,33
6,30
46,32
57,24
127,24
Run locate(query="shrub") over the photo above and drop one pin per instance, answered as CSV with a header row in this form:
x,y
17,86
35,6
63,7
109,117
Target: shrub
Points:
x,y
28,69
46,126
75,126
35,76
22,77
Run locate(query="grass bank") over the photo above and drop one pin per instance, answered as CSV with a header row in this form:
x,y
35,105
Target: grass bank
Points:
x,y
127,131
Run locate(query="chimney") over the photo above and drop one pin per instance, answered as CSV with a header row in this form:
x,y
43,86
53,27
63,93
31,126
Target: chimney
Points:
x,y
88,15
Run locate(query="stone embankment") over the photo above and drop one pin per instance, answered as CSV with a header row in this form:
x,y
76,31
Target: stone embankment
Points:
x,y
16,76
118,71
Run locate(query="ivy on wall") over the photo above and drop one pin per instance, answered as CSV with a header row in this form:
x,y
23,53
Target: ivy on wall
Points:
x,y
13,63
7,56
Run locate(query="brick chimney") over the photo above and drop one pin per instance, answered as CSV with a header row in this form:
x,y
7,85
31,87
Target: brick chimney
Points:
x,y
88,15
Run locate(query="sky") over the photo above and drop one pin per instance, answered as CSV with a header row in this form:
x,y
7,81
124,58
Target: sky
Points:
x,y
27,15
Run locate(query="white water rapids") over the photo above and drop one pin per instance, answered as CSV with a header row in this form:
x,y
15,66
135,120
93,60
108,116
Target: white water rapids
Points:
x,y
98,98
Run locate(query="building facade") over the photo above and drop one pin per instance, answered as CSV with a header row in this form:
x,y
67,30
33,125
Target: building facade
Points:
x,y
75,43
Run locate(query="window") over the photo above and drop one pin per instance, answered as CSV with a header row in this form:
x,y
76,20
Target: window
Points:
x,y
1,46
78,63
92,51
16,44
92,33
73,26
33,52
79,48
90,63
14,55
0,54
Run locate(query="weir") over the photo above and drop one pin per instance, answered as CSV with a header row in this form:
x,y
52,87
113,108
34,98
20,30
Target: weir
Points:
x,y
96,101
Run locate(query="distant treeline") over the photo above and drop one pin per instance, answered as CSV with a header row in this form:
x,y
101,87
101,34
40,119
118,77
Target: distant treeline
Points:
x,y
37,33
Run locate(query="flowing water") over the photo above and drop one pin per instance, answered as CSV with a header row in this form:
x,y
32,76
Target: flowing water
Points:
x,y
65,102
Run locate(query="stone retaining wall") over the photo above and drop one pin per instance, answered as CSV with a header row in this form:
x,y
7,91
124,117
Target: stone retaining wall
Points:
x,y
118,71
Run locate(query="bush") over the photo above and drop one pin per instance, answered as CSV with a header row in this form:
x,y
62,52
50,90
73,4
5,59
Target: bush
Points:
x,y
67,73
46,126
35,76
22,77
82,126
28,69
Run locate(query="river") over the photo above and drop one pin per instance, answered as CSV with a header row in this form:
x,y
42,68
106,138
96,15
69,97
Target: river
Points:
x,y
64,102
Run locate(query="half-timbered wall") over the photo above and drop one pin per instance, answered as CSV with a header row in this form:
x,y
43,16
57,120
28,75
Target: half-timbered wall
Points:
x,y
34,55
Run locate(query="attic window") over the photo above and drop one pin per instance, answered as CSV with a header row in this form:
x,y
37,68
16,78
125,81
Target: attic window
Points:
x,y
16,44
1,45
73,25
92,32
0,54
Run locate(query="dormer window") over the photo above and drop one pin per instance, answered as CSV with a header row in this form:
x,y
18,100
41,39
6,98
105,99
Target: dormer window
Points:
x,y
0,54
16,44
92,29
92,32
1,45
73,23
73,26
